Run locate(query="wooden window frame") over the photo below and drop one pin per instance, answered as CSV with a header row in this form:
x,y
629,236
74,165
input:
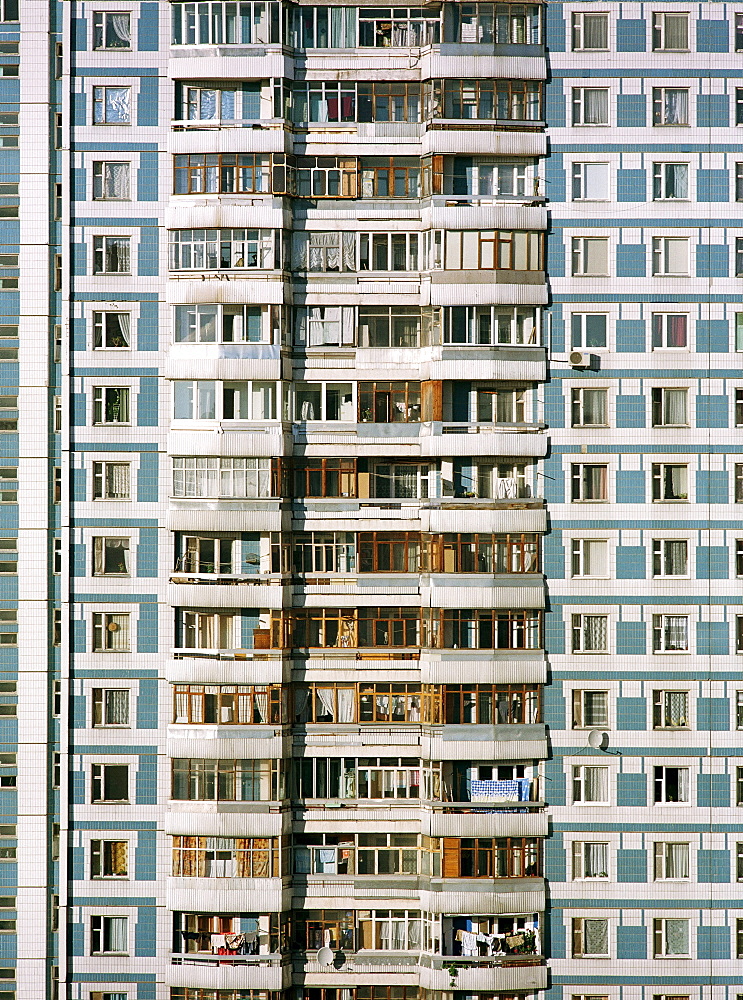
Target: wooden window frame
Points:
x,y
245,852
485,701
508,554
242,708
393,397
345,469
491,857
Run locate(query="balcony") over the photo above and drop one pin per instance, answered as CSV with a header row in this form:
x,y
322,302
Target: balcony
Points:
x,y
212,972
491,974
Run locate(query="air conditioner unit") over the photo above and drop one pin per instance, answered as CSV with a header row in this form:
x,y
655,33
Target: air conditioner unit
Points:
x,y
581,359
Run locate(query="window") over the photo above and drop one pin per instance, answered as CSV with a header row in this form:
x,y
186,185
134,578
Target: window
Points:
x,y
111,255
111,31
110,181
111,480
110,633
109,935
590,633
228,173
739,710
590,106
109,858
670,633
112,105
670,709
481,857
110,707
393,177
452,553
226,780
228,324
670,937
491,325
333,401
590,557
207,630
739,786
670,32
670,558
590,938
222,477
336,477
96,995
110,783
670,181
478,175
404,28
505,100
670,106
590,784
670,481
738,408
738,483
9,10
111,330
588,482
229,704
590,860
670,784
224,249
215,103
669,407
669,331
588,408
739,181
590,709
590,181
476,23
739,256
588,330
670,256
110,405
57,626
671,861
13,567
590,256
389,402
225,857
590,32
258,24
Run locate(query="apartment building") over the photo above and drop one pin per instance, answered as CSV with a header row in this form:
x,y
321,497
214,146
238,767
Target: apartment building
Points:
x,y
346,350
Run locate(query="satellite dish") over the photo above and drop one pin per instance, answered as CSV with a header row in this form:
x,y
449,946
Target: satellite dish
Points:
x,y
325,956
596,739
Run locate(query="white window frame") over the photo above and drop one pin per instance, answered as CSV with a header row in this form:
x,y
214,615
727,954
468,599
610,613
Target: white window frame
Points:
x,y
579,407
660,320
582,178
582,318
101,253
661,782
659,392
578,937
579,851
100,170
660,708
99,26
100,404
580,558
98,933
660,29
661,858
581,253
579,631
661,557
658,474
100,851
577,479
100,474
101,626
100,707
660,107
660,938
101,324
661,185
578,32
579,784
660,633
581,708
100,98
99,552
661,255
579,107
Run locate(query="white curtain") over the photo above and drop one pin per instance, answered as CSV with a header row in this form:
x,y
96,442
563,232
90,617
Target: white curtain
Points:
x,y
117,708
116,180
125,324
117,934
595,31
675,558
596,937
676,107
675,708
677,180
260,701
595,860
677,860
675,406
118,635
594,406
327,701
119,25
677,937
346,704
594,629
596,107
676,632
596,781
181,706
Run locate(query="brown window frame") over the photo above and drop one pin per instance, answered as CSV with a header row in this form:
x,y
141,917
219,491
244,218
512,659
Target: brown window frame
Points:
x,y
311,927
502,250
384,178
391,552
492,704
254,857
306,480
242,708
389,402
513,623
196,929
453,95
491,857
347,168
419,703
270,168
503,554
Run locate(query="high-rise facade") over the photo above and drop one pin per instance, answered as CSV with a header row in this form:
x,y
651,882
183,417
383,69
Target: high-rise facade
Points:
x,y
367,619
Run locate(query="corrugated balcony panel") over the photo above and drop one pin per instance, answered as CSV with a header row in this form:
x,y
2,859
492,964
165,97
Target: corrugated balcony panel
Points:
x,y
255,594
436,64
469,591
344,669
449,900
403,742
392,970
517,364
203,670
424,440
482,288
191,821
482,518
528,364
484,747
254,441
481,591
517,978
483,216
374,516
227,515
253,972
227,895
492,823
266,136
206,361
233,289
228,211
503,142
529,667
215,744
229,62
